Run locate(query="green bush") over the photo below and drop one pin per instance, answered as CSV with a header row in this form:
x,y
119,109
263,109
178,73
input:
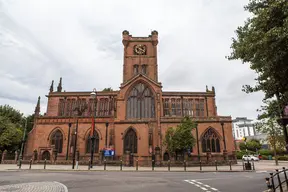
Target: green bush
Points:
x,y
264,157
265,152
283,158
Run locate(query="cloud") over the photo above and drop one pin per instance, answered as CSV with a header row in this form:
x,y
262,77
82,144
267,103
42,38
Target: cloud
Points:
x,y
80,40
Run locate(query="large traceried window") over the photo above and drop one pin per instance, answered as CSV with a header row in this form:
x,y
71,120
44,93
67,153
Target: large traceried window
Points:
x,y
140,103
188,107
166,107
210,141
57,140
178,107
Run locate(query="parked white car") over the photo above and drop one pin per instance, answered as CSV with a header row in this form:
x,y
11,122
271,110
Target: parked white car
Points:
x,y
250,158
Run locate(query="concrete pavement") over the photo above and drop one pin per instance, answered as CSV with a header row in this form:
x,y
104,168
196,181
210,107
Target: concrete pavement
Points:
x,y
266,166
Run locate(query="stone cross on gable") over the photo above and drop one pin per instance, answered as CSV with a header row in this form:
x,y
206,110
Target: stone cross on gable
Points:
x,y
286,111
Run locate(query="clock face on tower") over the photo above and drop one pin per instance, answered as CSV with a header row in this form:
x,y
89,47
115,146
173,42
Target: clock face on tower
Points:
x,y
140,49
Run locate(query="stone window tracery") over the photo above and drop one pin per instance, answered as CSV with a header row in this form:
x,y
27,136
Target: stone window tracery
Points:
x,y
130,141
166,107
89,144
140,102
210,141
57,140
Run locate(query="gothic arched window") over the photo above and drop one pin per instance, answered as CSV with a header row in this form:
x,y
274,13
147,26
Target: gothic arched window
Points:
x,y
130,141
57,140
89,144
210,141
140,103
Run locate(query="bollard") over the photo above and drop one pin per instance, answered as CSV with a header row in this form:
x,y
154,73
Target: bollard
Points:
x,y
20,163
104,164
230,164
279,180
216,165
168,165
152,165
184,165
45,164
121,164
200,163
137,165
30,164
243,165
89,165
253,165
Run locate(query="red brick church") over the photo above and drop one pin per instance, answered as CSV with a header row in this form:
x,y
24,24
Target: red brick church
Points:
x,y
131,120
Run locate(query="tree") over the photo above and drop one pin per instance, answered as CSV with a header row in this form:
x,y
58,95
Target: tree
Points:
x,y
180,139
10,134
251,145
12,114
107,89
262,42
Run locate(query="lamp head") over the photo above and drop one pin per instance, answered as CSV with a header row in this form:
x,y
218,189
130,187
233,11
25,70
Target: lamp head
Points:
x,y
93,93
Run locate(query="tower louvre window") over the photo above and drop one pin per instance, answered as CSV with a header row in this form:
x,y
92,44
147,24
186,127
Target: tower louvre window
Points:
x,y
144,69
136,69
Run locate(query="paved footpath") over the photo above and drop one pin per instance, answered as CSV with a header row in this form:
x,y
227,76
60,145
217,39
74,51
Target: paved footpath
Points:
x,y
265,166
35,187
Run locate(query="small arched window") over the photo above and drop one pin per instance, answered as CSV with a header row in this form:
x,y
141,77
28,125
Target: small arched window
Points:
x,y
89,143
57,140
130,141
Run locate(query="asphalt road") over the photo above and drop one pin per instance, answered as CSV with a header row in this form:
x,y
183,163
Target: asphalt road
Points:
x,y
131,181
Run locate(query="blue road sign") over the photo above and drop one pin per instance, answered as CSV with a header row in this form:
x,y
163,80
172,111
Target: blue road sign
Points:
x,y
108,153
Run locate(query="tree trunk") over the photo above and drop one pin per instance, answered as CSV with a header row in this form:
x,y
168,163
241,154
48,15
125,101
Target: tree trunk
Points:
x,y
274,144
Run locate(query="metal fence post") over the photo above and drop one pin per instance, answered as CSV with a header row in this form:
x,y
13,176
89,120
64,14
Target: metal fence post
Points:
x,y
45,164
137,165
104,164
216,165
272,181
279,180
243,165
184,165
200,163
284,170
230,164
30,164
20,163
168,165
89,164
152,165
253,165
121,164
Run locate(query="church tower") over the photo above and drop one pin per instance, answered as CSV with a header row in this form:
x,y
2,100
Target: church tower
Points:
x,y
140,56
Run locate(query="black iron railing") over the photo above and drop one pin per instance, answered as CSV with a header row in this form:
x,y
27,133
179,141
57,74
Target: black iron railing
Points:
x,y
277,180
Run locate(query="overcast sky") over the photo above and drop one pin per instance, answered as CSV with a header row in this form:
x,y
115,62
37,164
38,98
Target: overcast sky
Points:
x,y
81,41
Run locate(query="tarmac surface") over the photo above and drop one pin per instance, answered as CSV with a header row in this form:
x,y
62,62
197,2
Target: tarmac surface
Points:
x,y
100,181
61,178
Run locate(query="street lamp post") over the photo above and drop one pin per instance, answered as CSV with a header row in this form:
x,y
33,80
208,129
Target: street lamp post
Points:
x,y
106,136
68,142
22,144
197,141
80,109
94,96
